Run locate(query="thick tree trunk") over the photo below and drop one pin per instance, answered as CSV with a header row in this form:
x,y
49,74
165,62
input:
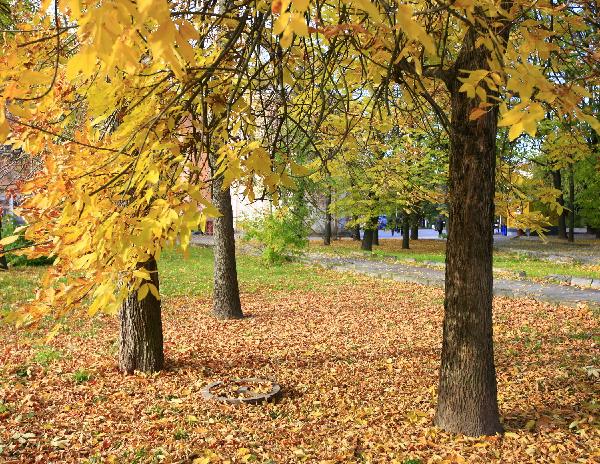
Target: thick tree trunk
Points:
x,y
414,228
405,232
141,337
571,204
327,232
226,294
376,236
356,233
367,241
562,218
467,398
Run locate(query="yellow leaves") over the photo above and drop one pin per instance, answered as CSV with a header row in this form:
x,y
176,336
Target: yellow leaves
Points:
x,y
413,30
368,7
298,25
146,288
8,240
4,127
471,84
522,118
83,62
591,120
289,24
153,175
301,5
476,113
281,23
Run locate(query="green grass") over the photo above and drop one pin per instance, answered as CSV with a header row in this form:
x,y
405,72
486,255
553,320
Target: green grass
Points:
x,y
18,284
46,355
193,275
190,275
81,376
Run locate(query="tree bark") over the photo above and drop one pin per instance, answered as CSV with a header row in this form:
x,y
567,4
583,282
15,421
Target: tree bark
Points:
x,y
405,232
356,233
376,236
562,218
3,261
327,232
467,398
367,241
414,228
226,293
571,204
141,337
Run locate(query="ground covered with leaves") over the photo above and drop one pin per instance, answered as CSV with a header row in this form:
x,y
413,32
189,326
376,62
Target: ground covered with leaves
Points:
x,y
357,360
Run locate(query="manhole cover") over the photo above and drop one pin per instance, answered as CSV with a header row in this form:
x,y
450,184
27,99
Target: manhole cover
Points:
x,y
251,391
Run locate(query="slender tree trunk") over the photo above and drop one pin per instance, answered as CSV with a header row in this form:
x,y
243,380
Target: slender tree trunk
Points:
x,y
327,233
141,337
467,398
226,294
571,204
562,218
405,232
3,261
376,236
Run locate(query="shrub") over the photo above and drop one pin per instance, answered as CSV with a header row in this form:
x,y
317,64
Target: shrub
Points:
x,y
282,233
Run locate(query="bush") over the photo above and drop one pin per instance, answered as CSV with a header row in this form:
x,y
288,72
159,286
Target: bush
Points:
x,y
9,224
283,233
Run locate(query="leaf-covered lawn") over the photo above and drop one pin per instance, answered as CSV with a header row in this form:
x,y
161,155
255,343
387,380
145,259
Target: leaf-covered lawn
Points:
x,y
358,363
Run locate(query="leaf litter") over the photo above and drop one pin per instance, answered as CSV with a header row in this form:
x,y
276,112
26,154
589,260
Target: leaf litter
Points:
x,y
358,366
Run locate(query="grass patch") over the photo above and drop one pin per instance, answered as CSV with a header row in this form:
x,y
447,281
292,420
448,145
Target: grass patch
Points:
x,y
192,275
17,285
46,355
81,376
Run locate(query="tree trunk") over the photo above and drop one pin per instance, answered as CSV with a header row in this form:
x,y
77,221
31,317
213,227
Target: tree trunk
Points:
x,y
226,294
327,233
376,236
3,261
405,232
356,233
562,218
367,241
571,204
467,398
414,228
141,337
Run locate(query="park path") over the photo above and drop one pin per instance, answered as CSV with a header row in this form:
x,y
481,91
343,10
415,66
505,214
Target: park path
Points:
x,y
547,292
394,270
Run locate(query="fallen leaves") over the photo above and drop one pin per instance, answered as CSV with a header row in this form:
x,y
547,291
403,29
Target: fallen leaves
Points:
x,y
358,365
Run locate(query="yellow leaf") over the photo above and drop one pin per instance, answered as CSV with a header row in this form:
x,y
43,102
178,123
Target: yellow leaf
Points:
x,y
281,23
8,240
154,291
515,131
476,114
298,25
143,291
301,5
286,39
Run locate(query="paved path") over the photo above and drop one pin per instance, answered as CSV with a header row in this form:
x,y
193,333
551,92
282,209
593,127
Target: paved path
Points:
x,y
551,293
